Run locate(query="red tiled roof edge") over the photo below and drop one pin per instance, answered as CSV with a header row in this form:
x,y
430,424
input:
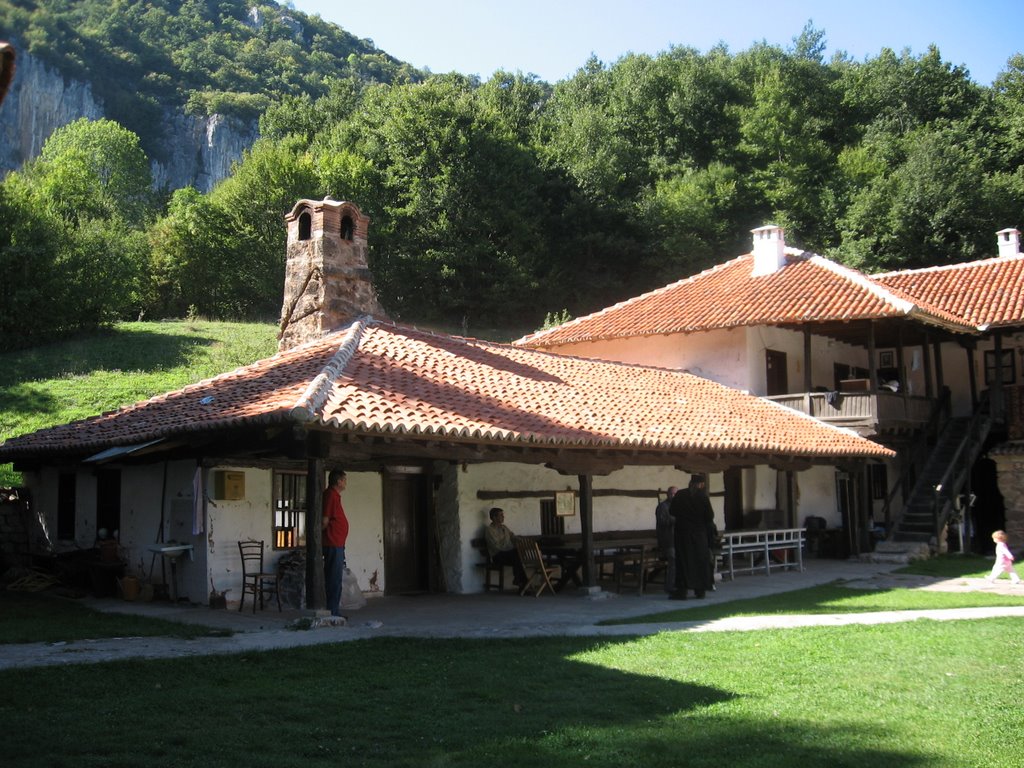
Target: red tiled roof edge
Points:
x,y
536,339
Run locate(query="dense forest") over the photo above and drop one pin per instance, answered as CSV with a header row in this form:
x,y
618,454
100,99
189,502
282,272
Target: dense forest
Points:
x,y
493,203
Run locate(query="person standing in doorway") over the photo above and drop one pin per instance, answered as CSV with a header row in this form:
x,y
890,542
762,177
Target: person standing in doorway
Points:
x,y
334,526
665,526
694,531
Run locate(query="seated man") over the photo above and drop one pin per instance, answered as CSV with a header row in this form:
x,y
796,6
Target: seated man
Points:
x,y
501,545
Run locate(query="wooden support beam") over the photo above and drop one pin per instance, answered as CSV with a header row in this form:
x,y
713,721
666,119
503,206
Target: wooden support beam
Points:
x,y
587,530
509,494
316,594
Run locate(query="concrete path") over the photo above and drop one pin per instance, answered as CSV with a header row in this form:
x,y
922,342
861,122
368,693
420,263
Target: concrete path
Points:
x,y
573,613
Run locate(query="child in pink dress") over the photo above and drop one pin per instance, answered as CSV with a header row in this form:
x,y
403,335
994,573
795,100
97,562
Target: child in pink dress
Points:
x,y
1004,559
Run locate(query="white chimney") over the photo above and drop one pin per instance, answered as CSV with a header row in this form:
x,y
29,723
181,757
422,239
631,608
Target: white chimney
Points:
x,y
769,250
1009,242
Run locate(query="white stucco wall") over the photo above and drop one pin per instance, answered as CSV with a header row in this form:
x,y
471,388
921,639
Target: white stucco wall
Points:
x,y
816,495
252,518
717,355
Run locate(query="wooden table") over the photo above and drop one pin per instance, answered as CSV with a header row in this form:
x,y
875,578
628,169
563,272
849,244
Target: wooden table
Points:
x,y
569,561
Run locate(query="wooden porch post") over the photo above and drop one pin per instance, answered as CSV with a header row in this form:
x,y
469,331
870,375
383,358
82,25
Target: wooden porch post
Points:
x,y
996,387
872,368
926,353
587,529
316,595
900,361
807,360
969,348
940,382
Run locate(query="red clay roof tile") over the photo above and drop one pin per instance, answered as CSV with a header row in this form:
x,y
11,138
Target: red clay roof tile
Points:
x,y
808,288
986,293
382,378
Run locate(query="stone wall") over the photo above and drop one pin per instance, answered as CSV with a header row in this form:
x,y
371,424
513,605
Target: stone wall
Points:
x,y
1009,459
14,528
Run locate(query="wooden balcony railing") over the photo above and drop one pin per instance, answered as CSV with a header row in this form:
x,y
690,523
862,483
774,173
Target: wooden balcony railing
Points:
x,y
860,410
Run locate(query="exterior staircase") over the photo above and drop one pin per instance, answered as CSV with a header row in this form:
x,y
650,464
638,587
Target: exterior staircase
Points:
x,y
941,482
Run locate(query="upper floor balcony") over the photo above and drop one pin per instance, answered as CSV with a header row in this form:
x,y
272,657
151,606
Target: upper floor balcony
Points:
x,y
868,413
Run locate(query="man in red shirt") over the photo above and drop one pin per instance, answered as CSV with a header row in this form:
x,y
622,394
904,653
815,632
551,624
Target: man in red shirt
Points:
x,y
335,532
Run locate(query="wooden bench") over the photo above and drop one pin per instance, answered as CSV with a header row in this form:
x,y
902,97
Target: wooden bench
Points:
x,y
494,574
766,544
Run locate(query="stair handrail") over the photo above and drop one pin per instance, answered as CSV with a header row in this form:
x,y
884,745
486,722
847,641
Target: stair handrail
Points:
x,y
952,481
938,416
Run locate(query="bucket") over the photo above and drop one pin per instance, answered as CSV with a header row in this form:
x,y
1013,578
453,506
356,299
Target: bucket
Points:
x,y
129,588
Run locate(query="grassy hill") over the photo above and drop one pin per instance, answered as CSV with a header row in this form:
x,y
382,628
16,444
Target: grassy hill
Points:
x,y
82,377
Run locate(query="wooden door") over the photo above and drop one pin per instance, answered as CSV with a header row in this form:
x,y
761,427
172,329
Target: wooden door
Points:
x,y
733,481
776,380
406,534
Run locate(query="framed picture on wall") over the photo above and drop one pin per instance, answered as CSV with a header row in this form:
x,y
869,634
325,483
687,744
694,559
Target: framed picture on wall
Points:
x,y
885,359
565,503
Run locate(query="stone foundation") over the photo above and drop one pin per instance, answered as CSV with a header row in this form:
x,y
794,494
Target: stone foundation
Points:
x,y
1009,459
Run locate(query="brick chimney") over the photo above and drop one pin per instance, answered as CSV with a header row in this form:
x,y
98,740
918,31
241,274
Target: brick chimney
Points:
x,y
327,283
769,250
1009,242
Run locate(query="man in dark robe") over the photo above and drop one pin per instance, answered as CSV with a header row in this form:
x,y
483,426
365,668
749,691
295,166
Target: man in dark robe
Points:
x,y
694,531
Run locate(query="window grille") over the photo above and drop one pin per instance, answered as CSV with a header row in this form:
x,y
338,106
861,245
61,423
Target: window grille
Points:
x,y
289,510
550,523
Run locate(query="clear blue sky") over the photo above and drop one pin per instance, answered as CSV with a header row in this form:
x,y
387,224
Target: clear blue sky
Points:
x,y
554,38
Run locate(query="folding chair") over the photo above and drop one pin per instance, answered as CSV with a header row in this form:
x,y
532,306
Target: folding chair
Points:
x,y
538,575
256,581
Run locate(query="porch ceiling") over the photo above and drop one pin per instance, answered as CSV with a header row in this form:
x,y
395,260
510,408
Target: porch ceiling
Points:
x,y
888,332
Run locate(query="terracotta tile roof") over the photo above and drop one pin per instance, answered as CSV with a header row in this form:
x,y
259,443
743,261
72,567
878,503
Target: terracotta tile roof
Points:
x,y
985,293
807,288
381,378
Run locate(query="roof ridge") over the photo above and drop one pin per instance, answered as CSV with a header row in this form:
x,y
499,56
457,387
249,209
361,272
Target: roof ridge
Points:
x,y
313,399
881,292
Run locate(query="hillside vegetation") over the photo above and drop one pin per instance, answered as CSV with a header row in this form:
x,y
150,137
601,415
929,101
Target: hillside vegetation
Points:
x,y
498,202
86,376
231,57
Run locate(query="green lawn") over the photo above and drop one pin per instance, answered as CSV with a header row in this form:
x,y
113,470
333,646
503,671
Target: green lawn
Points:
x,y
925,693
837,598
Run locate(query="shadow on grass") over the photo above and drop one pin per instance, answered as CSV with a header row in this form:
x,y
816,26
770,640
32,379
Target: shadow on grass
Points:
x,y
41,617
400,702
25,398
106,349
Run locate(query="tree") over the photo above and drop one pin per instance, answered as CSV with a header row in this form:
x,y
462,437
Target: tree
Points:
x,y
266,183
75,246
196,261
94,170
927,210
453,197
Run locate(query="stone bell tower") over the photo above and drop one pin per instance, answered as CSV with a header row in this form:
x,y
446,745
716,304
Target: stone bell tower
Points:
x,y
327,282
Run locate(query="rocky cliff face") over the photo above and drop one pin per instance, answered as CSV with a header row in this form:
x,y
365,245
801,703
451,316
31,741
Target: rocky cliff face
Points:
x,y
199,151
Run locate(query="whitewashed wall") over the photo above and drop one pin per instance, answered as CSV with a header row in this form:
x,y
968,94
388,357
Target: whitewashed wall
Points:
x,y
816,495
716,355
